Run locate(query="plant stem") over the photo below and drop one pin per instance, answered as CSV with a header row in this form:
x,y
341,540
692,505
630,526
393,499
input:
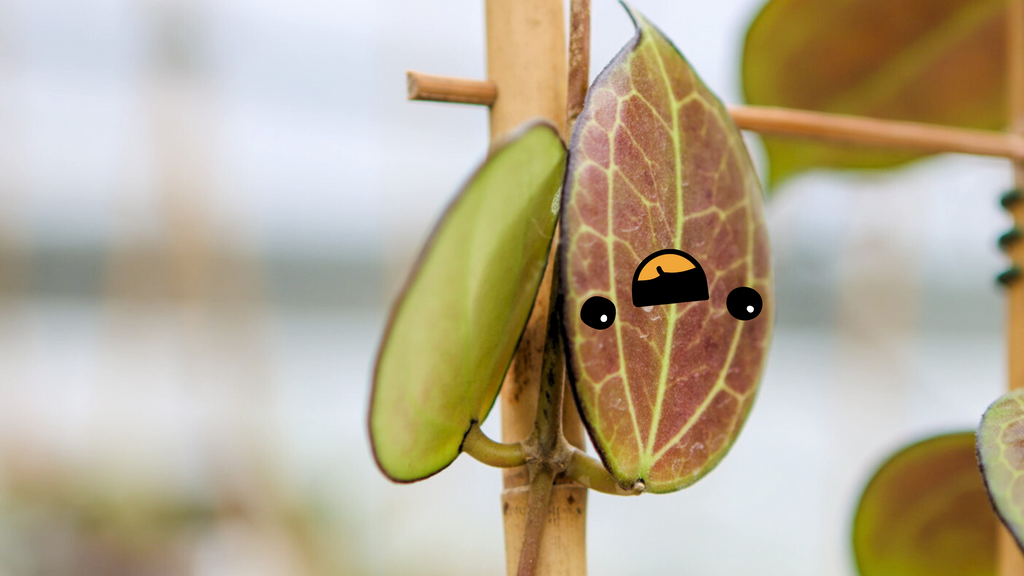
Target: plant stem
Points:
x,y
536,518
590,472
547,424
579,59
492,453
546,447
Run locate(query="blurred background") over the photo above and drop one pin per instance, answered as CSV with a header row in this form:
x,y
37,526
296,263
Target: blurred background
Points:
x,y
206,208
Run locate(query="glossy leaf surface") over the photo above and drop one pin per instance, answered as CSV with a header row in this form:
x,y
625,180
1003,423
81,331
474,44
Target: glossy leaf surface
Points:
x,y
656,163
926,512
1001,453
935,61
454,330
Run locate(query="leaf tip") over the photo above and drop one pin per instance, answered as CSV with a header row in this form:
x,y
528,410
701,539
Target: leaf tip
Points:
x,y
640,22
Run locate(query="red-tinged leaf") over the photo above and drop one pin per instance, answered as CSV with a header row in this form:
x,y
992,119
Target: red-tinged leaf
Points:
x,y
1001,454
925,512
657,163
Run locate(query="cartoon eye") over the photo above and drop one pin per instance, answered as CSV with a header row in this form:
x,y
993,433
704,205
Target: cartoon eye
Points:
x,y
598,312
744,303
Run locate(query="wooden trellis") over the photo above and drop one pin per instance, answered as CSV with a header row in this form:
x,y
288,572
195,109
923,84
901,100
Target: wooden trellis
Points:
x,y
530,75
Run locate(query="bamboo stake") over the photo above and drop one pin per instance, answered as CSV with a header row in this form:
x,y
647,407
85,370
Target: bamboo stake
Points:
x,y
1011,562
875,132
774,121
526,62
450,89
1016,101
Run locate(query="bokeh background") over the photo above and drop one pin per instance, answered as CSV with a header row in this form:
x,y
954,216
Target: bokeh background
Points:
x,y
206,208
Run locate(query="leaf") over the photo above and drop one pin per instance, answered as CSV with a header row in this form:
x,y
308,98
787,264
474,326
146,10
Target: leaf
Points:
x,y
657,163
940,61
925,512
454,329
1001,454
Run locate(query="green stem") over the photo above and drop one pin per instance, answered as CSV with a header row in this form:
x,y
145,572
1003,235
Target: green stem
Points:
x,y
492,453
590,472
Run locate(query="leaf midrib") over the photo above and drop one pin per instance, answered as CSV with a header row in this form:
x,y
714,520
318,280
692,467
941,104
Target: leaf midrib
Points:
x,y
649,457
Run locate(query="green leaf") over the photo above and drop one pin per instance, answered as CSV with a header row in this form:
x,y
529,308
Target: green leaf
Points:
x,y
925,512
939,61
454,329
657,163
1001,454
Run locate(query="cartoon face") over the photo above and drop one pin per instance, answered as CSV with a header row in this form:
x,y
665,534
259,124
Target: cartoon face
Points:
x,y
670,276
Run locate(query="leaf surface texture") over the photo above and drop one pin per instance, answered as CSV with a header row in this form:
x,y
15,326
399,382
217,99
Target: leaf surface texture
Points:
x,y
657,163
